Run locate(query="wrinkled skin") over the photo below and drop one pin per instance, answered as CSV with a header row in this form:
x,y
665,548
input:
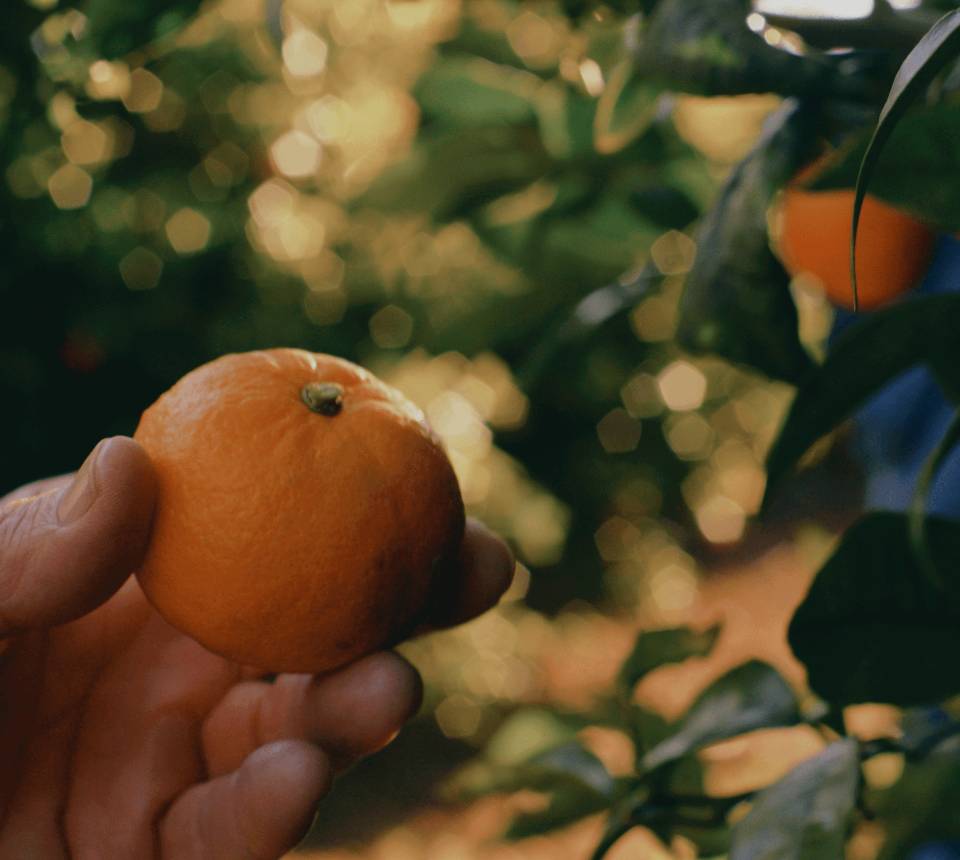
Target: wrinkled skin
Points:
x,y
121,737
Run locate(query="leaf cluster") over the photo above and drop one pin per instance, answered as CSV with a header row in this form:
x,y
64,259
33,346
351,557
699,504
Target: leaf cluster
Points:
x,y
884,611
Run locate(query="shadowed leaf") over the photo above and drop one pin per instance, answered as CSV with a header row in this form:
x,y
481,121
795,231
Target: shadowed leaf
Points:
x,y
657,648
752,696
805,815
872,626
862,361
923,63
737,302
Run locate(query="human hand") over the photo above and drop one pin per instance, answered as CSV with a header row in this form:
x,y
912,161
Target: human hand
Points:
x,y
121,737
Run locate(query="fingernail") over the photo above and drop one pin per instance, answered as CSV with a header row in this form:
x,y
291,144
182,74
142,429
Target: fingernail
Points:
x,y
79,496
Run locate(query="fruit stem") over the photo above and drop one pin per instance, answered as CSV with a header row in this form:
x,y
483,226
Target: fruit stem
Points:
x,y
324,398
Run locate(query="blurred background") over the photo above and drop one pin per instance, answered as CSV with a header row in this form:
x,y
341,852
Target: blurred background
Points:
x,y
472,198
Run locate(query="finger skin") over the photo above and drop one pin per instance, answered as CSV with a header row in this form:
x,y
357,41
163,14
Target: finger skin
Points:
x,y
37,488
257,812
52,572
350,713
487,567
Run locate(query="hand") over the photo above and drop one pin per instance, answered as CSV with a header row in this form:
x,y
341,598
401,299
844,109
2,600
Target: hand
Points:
x,y
122,738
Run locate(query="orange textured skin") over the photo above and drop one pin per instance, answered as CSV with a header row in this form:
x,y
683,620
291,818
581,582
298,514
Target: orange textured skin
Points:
x,y
893,248
289,540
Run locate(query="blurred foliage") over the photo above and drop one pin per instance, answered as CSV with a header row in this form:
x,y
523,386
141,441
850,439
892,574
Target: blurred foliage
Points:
x,y
425,188
552,224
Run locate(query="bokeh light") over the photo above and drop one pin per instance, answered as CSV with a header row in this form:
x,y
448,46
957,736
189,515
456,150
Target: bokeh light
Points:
x,y
417,185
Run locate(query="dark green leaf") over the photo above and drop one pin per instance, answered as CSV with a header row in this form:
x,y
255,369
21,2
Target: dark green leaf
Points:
x,y
873,628
945,364
926,728
737,301
925,479
863,359
655,648
752,696
569,769
710,841
568,803
697,818
922,806
806,814
589,314
621,820
923,63
707,48
577,784
666,206
573,761
116,28
911,168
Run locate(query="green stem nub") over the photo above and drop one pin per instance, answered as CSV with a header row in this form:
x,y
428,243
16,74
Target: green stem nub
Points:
x,y
324,398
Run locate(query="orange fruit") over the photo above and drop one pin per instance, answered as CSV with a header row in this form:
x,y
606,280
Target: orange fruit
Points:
x,y
306,515
893,248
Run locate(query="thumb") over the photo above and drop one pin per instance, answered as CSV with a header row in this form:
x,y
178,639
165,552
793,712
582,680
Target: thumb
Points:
x,y
65,551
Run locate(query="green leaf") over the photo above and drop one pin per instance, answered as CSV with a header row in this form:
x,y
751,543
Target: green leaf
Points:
x,y
752,696
862,361
911,168
566,121
468,91
568,762
655,648
918,507
577,784
668,207
737,301
568,803
115,28
922,806
806,814
526,734
627,106
873,628
458,171
575,762
710,841
589,314
621,820
668,812
925,729
923,63
707,48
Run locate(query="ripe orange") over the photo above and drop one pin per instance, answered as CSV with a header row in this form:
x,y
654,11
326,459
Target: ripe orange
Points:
x,y
893,248
306,512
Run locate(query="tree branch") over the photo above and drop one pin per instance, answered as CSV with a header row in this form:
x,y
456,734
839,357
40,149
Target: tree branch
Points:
x,y
883,28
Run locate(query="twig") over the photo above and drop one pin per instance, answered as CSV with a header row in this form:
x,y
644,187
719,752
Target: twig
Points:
x,y
883,28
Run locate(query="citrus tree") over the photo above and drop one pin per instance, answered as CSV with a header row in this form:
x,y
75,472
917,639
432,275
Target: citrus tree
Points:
x,y
877,624
520,190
